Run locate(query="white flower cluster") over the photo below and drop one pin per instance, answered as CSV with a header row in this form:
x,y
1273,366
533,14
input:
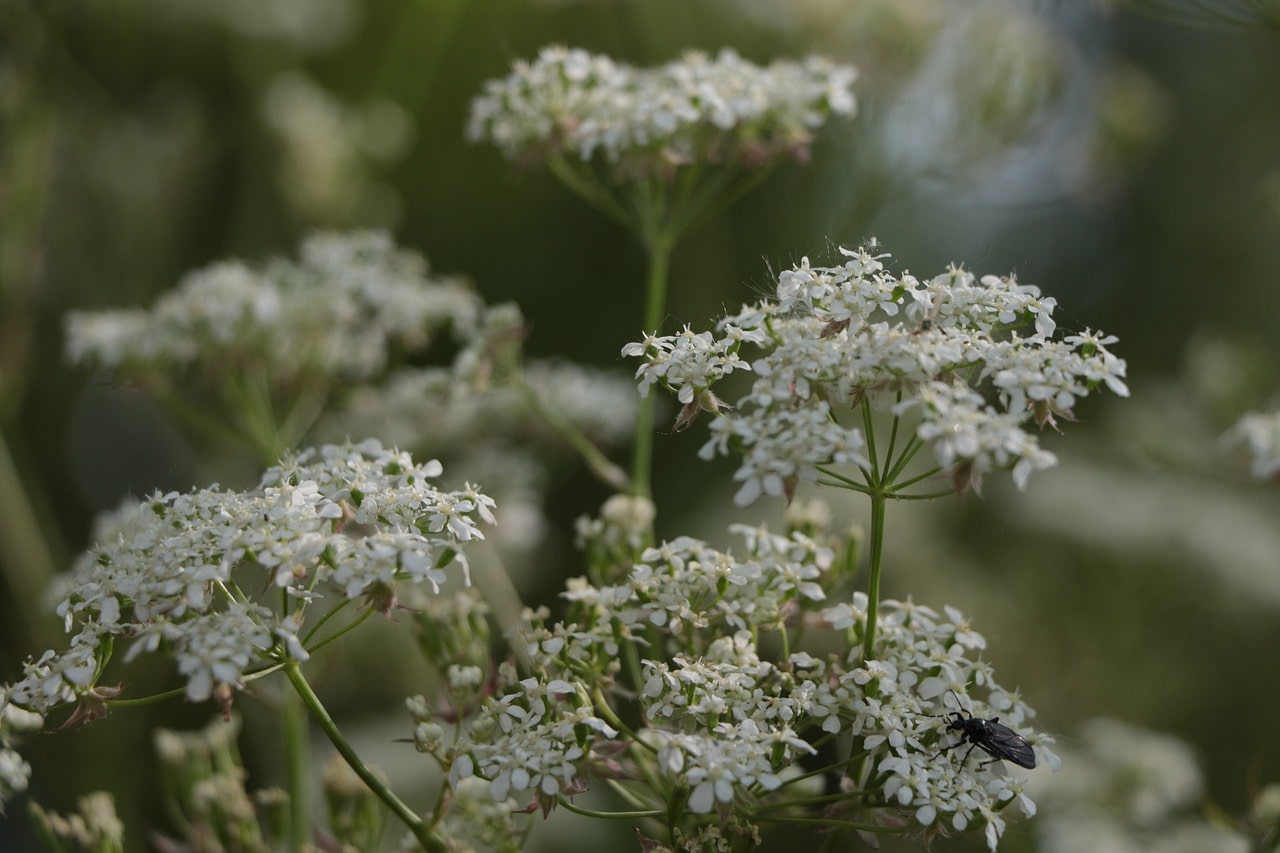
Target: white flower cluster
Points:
x,y
533,739
840,336
731,757
686,586
1260,432
354,518
899,705
337,312
694,110
726,725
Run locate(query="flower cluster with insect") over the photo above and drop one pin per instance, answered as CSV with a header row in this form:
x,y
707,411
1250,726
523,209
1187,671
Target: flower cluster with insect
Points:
x,y
834,340
713,694
736,722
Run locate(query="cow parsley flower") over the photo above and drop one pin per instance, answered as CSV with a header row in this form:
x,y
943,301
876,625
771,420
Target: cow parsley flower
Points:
x,y
350,521
534,739
337,312
944,351
696,110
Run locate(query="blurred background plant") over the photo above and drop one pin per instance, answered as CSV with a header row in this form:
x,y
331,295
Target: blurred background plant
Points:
x,y
1121,155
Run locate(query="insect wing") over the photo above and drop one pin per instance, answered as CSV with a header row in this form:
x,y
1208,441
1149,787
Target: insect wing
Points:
x,y
1003,742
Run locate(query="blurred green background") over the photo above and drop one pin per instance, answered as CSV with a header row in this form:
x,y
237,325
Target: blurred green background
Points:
x,y
1125,158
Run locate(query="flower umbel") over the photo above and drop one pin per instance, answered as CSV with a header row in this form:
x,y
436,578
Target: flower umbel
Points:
x,y
350,521
837,339
693,111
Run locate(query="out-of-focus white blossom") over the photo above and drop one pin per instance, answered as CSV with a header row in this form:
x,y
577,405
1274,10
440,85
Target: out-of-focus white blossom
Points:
x,y
1260,433
696,110
329,149
1124,788
336,313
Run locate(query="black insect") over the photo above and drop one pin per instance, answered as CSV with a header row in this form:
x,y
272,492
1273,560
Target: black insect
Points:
x,y
991,736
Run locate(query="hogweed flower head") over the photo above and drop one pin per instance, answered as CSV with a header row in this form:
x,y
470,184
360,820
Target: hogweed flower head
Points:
x,y
639,122
349,521
944,350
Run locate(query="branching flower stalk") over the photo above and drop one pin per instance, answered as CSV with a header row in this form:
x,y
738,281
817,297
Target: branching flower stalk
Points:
x,y
276,343
839,344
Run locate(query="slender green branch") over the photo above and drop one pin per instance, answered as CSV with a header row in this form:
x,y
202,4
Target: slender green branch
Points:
x,y
843,480
320,623
935,470
659,247
566,804
868,428
196,419
590,191
844,484
27,561
893,438
608,473
297,758
908,453
927,496
429,839
873,573
142,701
346,629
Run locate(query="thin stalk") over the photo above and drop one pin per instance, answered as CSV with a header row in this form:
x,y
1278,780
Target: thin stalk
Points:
x,y
297,756
568,805
878,501
429,839
659,245
490,575
600,465
934,471
927,496
590,192
908,453
27,562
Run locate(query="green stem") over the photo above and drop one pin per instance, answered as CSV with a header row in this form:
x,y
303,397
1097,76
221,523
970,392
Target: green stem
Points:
x,y
489,574
591,192
659,246
27,563
878,502
600,465
293,722
429,840
568,805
